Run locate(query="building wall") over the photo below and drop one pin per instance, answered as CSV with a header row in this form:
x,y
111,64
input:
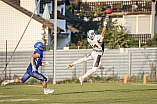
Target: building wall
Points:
x,y
155,24
61,24
62,40
136,24
29,5
13,24
59,8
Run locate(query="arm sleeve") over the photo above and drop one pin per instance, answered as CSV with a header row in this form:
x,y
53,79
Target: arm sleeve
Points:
x,y
90,41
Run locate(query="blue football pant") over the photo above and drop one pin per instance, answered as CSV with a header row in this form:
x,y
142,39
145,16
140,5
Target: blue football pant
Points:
x,y
36,75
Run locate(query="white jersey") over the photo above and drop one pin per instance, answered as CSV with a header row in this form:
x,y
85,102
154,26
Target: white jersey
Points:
x,y
97,43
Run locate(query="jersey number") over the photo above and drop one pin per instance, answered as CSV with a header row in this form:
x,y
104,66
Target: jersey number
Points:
x,y
95,46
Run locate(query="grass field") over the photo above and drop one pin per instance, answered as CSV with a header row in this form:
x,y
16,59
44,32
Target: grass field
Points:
x,y
90,93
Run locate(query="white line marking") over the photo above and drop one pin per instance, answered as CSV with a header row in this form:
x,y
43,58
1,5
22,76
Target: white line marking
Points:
x,y
145,84
34,85
3,96
19,100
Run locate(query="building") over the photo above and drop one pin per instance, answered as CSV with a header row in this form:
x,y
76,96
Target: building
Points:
x,y
15,16
137,16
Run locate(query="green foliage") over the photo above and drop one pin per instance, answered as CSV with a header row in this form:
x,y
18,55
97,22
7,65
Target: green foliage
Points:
x,y
73,80
32,81
82,44
153,41
97,9
116,36
45,36
70,8
83,13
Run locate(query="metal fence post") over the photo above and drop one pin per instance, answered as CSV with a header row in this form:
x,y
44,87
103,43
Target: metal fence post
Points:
x,y
85,63
6,61
129,65
118,59
77,66
156,68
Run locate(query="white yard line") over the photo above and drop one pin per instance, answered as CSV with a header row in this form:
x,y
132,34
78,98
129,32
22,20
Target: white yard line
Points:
x,y
144,84
3,96
19,100
34,85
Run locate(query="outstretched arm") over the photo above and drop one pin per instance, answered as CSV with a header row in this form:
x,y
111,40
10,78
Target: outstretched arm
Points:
x,y
103,31
104,28
44,63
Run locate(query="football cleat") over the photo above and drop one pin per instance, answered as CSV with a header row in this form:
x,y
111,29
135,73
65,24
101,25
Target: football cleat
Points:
x,y
5,82
81,80
67,67
48,91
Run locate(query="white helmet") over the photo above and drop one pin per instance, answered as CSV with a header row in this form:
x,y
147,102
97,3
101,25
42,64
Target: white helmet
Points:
x,y
90,34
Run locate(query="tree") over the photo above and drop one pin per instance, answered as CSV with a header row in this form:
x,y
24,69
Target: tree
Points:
x,y
97,9
153,41
45,36
115,36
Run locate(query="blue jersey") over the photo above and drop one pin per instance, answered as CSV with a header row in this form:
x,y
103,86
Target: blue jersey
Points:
x,y
37,61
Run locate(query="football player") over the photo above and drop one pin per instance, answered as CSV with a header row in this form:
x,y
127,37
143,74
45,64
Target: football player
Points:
x,y
32,70
96,41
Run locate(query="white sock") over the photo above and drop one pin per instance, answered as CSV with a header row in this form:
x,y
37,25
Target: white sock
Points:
x,y
89,72
45,89
11,81
78,61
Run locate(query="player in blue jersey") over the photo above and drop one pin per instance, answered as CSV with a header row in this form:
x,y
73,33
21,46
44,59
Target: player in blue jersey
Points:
x,y
32,70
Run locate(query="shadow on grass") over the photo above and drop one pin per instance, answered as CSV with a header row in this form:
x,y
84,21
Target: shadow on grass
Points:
x,y
6,88
105,101
118,90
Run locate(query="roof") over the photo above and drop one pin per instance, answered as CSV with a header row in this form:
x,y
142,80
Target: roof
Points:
x,y
60,16
68,26
73,17
69,17
15,4
71,28
59,2
28,13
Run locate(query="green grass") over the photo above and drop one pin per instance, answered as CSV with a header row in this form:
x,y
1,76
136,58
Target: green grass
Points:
x,y
90,93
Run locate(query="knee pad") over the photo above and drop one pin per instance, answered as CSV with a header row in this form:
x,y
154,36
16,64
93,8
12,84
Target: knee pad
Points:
x,y
43,79
39,76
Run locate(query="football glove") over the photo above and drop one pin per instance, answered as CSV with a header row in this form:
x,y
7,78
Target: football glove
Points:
x,y
47,63
34,69
104,23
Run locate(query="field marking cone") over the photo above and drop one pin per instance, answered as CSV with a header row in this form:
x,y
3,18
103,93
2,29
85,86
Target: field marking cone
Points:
x,y
125,78
144,79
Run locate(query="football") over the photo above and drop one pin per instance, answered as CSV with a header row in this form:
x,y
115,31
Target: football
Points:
x,y
108,11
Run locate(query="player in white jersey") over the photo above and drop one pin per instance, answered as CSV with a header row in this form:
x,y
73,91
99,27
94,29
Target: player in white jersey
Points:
x,y
96,41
